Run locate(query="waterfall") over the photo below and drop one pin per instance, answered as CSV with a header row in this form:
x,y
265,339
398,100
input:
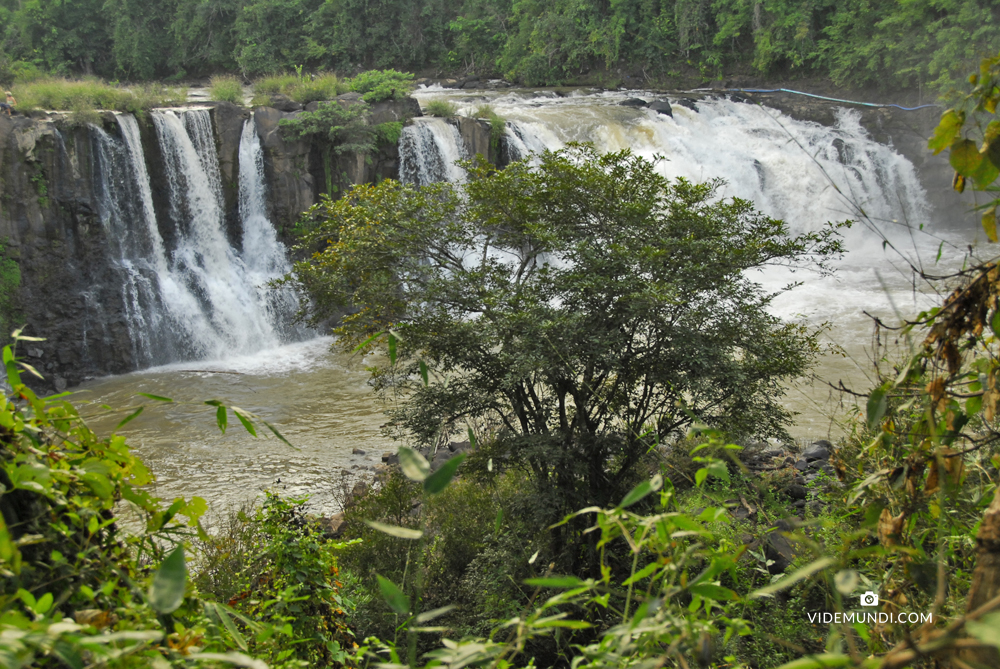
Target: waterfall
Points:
x,y
428,149
264,256
200,299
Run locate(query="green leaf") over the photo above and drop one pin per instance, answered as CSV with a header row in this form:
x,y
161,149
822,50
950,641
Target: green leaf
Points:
x,y
156,397
233,658
393,596
221,419
793,578
947,130
965,157
129,418
440,479
167,591
821,661
280,436
569,624
245,417
472,439
877,403
973,405
413,464
394,530
990,224
498,521
642,573
641,491
223,617
986,629
368,341
700,476
423,372
561,582
428,616
714,592
392,348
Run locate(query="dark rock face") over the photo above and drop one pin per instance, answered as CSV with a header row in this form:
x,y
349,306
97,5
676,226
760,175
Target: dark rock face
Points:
x,y
662,107
633,102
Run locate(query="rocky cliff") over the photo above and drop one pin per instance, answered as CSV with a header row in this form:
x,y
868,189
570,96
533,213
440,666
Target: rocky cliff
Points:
x,y
68,289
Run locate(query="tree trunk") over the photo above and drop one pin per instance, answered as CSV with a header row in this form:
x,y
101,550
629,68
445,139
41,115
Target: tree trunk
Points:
x,y
986,578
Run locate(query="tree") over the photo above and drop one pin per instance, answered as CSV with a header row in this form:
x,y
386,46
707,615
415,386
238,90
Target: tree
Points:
x,y
575,311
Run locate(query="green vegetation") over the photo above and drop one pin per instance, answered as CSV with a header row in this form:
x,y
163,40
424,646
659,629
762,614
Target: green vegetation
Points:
x,y
322,86
79,589
379,85
921,44
90,94
573,369
339,129
10,284
226,89
441,108
498,125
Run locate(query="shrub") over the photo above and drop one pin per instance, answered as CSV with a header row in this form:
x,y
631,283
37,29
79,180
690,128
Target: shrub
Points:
x,y
273,565
498,124
303,89
379,85
226,88
339,129
440,107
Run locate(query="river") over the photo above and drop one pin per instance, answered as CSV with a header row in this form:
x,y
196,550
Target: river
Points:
x,y
801,172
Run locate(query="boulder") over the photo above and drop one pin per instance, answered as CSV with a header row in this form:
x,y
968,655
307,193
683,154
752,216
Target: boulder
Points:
x,y
358,451
687,103
778,547
633,102
818,450
284,103
796,491
662,107
333,525
349,97
459,446
801,464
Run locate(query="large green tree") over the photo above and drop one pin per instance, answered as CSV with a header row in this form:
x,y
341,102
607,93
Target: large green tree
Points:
x,y
574,311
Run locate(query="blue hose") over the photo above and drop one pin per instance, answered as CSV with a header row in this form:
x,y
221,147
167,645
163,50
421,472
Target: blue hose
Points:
x,y
823,97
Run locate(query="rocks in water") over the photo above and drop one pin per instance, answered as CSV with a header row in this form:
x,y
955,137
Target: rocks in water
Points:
x,y
818,450
633,102
358,451
687,103
662,107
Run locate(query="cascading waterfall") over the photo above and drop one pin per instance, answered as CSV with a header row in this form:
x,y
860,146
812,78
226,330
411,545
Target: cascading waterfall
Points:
x,y
263,255
196,297
428,150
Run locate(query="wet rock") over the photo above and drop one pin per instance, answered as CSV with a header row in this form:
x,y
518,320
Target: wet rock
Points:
x,y
358,451
662,107
819,450
633,102
60,384
386,456
796,491
687,103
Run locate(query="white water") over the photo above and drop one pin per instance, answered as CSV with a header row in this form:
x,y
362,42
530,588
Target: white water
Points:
x,y
803,173
428,151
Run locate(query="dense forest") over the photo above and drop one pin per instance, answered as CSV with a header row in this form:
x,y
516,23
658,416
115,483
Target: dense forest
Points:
x,y
888,44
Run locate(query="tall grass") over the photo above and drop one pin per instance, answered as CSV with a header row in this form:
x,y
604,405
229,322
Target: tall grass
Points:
x,y
84,96
440,107
322,86
226,88
498,124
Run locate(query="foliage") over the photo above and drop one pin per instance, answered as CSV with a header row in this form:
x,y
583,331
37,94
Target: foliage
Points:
x,y
440,108
226,89
574,311
10,284
80,589
379,85
917,44
275,567
322,86
388,133
89,94
340,129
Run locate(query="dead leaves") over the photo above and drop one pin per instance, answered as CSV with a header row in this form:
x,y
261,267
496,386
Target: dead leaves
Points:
x,y
890,529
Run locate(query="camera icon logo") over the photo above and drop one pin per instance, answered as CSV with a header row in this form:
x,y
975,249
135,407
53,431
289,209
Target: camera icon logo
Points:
x,y
869,599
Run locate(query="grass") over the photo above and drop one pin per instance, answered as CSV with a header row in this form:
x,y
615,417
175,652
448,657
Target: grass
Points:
x,y
84,96
440,107
226,88
498,124
322,86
